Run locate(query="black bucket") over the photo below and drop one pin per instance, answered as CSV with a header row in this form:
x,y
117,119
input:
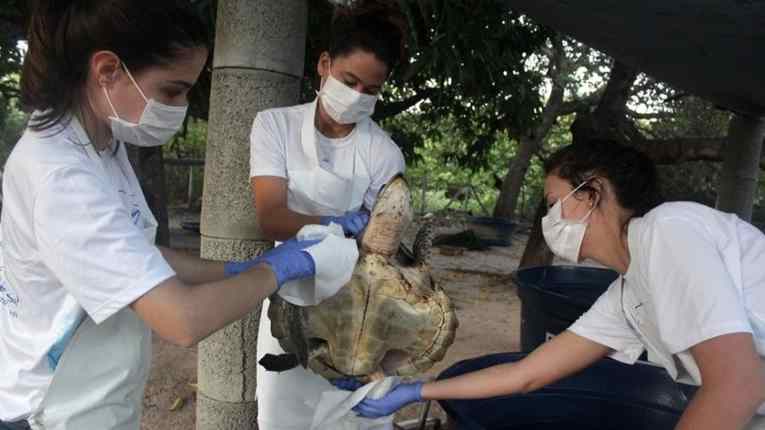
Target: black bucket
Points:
x,y
553,297
492,231
606,396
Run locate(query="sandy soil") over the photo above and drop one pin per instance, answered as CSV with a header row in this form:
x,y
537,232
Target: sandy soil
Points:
x,y
479,284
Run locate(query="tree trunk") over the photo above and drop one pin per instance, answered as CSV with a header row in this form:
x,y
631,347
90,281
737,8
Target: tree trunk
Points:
x,y
258,64
536,252
740,173
513,182
150,170
532,141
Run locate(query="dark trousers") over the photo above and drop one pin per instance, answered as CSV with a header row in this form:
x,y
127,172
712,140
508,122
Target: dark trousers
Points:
x,y
20,425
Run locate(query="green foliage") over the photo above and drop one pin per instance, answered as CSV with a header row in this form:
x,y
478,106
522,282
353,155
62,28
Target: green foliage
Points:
x,y
467,60
12,123
437,172
189,144
435,169
471,55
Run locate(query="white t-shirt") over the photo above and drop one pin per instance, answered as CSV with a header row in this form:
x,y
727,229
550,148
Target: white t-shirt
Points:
x,y
695,273
73,245
275,132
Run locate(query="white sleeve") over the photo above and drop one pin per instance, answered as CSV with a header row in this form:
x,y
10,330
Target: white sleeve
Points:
x,y
88,241
693,295
606,324
387,161
267,148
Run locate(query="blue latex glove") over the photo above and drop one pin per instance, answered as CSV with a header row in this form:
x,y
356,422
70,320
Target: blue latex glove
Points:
x,y
288,261
396,399
348,384
352,223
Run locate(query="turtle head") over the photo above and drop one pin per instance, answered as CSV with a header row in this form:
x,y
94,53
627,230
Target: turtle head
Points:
x,y
389,218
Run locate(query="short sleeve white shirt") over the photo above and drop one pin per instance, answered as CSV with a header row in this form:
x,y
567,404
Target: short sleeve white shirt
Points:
x,y
695,273
73,245
277,132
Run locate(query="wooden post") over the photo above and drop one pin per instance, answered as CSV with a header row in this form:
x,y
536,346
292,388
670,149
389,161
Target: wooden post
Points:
x,y
191,188
741,166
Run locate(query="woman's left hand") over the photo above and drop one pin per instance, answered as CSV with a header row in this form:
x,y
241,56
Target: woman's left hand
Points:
x,y
352,223
397,398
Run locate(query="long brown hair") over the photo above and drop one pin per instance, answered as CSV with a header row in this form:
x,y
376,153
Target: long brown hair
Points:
x,y
63,34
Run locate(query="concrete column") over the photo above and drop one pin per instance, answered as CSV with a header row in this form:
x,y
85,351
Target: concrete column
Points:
x,y
258,64
741,166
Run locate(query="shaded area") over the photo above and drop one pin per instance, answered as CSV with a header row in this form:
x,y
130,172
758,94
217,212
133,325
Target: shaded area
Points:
x,y
705,47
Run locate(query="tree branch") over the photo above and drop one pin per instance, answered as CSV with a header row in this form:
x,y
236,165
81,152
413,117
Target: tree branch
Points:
x,y
672,151
387,110
9,91
587,102
653,115
618,90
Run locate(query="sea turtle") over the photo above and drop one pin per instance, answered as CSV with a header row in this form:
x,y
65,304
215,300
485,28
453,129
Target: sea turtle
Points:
x,y
392,318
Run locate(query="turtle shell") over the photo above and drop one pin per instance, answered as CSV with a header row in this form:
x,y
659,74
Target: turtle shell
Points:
x,y
392,317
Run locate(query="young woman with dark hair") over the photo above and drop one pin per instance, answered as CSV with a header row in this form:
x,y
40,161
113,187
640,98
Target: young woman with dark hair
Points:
x,y
83,284
324,162
691,292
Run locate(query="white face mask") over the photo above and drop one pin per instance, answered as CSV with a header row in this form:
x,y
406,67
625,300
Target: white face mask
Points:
x,y
344,104
564,236
158,122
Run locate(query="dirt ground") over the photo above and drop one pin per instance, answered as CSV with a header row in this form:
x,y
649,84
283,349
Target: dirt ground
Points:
x,y
478,282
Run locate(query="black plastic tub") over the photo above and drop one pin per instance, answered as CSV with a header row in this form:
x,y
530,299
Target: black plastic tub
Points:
x,y
606,396
553,297
492,231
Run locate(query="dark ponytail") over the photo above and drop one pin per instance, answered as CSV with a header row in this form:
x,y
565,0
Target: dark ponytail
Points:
x,y
631,173
375,26
64,34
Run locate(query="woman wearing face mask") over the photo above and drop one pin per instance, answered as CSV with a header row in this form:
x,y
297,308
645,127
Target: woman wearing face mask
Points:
x,y
82,283
691,293
323,162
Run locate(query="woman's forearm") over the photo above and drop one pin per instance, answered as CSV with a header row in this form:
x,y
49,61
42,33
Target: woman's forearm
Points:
x,y
717,409
212,306
185,314
564,355
503,379
281,223
192,270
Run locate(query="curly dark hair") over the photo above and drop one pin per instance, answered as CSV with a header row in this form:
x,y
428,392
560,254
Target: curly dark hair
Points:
x,y
631,173
375,26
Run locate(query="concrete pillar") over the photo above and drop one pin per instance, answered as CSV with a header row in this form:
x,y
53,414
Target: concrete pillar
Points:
x,y
258,64
741,166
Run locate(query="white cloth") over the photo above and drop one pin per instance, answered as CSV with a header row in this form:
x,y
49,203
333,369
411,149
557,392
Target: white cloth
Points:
x,y
285,143
74,253
695,273
335,409
276,137
333,257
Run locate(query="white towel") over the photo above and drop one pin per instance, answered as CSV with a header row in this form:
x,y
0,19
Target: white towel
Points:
x,y
334,411
335,258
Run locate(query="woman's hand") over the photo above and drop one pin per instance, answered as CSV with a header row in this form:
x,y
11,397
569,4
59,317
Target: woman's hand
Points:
x,y
352,223
397,398
288,261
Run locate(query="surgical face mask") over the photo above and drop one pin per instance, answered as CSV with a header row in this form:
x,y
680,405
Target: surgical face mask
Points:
x,y
158,122
344,104
564,236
